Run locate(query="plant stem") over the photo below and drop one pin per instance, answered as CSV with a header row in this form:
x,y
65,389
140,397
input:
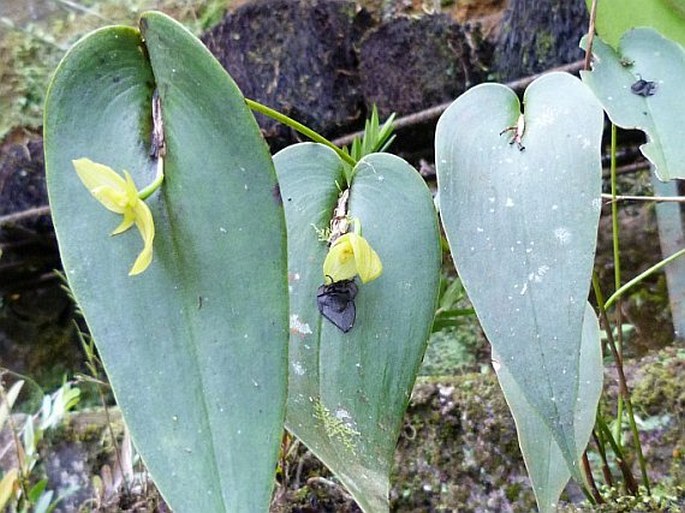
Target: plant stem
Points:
x,y
590,35
622,382
159,178
591,480
21,461
431,114
295,125
628,478
93,368
606,472
617,274
656,199
656,267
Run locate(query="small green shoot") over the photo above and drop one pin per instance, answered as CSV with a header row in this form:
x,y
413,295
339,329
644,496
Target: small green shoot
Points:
x,y
376,138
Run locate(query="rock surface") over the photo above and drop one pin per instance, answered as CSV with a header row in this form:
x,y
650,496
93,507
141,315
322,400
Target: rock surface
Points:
x,y
536,36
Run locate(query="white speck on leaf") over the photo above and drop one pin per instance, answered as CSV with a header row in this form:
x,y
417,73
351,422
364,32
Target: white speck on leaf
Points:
x,y
298,369
297,326
563,235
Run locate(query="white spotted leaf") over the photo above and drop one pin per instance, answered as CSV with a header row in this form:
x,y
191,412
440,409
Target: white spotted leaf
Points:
x,y
544,460
195,347
348,391
522,227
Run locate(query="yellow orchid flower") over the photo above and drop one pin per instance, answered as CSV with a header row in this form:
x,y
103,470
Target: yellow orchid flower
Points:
x,y
350,255
121,197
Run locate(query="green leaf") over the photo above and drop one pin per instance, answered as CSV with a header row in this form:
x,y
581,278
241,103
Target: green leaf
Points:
x,y
614,17
522,228
348,392
37,490
644,54
43,504
544,460
195,347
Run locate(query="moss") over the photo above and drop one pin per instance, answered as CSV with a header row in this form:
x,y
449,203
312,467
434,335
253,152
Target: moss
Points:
x,y
462,453
31,50
617,502
545,43
661,383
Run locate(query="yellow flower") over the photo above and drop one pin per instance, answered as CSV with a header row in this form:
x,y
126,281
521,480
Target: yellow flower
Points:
x,y
350,255
120,196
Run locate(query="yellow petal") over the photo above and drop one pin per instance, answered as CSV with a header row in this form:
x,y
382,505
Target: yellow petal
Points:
x,y
350,255
129,219
146,227
369,266
111,199
130,190
340,263
102,182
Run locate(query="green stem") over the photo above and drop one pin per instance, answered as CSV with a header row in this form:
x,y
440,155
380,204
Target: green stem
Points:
x,y
656,267
614,212
628,478
622,382
159,178
295,125
617,272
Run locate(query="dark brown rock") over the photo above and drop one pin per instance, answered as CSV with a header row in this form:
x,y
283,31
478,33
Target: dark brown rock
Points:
x,y
22,182
536,36
297,57
409,64
28,242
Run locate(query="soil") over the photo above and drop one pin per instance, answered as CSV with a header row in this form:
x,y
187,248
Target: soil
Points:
x,y
410,64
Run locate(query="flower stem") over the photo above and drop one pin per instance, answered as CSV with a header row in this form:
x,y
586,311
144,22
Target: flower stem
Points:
x,y
295,125
145,193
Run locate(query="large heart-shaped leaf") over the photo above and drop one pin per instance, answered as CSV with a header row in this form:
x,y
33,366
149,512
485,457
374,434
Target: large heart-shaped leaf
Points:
x,y
644,55
544,460
195,347
348,391
522,228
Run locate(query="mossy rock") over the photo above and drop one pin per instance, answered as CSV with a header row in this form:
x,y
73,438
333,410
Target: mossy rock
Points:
x,y
410,64
297,57
536,36
458,452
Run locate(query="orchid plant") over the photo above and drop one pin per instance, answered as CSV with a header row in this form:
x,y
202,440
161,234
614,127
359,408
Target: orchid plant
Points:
x,y
218,344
